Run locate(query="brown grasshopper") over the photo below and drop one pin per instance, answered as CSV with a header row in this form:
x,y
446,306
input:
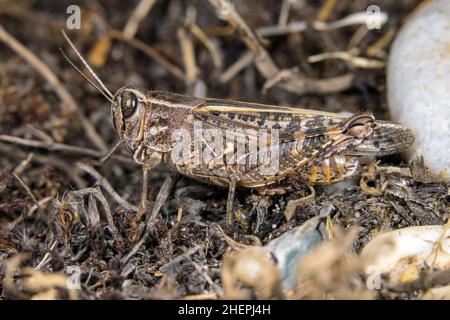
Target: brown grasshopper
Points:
x,y
311,146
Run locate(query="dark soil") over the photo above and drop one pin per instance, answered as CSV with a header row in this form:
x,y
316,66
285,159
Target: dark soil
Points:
x,y
59,233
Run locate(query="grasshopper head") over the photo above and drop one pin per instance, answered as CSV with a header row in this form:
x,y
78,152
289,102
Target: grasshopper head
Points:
x,y
127,109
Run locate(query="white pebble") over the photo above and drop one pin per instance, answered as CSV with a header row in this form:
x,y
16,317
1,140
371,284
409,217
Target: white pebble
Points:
x,y
418,80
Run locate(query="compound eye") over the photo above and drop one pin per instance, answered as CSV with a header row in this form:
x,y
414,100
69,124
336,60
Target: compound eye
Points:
x,y
128,103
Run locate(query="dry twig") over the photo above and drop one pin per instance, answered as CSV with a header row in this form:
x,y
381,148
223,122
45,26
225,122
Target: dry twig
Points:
x,y
14,152
427,281
149,51
26,188
209,45
245,60
296,83
188,53
161,198
47,73
355,61
102,181
139,13
56,146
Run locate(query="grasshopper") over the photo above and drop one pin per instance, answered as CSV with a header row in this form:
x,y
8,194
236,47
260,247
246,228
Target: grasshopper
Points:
x,y
312,146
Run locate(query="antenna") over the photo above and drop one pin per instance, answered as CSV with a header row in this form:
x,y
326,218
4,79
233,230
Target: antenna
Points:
x,y
105,90
85,76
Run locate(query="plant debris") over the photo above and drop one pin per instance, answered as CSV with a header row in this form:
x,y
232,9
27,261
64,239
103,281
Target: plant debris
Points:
x,y
70,227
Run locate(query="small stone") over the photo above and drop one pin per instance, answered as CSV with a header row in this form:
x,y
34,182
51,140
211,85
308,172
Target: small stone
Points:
x,y
418,80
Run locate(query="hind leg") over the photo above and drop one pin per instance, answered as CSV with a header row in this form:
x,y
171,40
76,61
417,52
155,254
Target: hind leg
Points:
x,y
321,172
292,205
330,170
